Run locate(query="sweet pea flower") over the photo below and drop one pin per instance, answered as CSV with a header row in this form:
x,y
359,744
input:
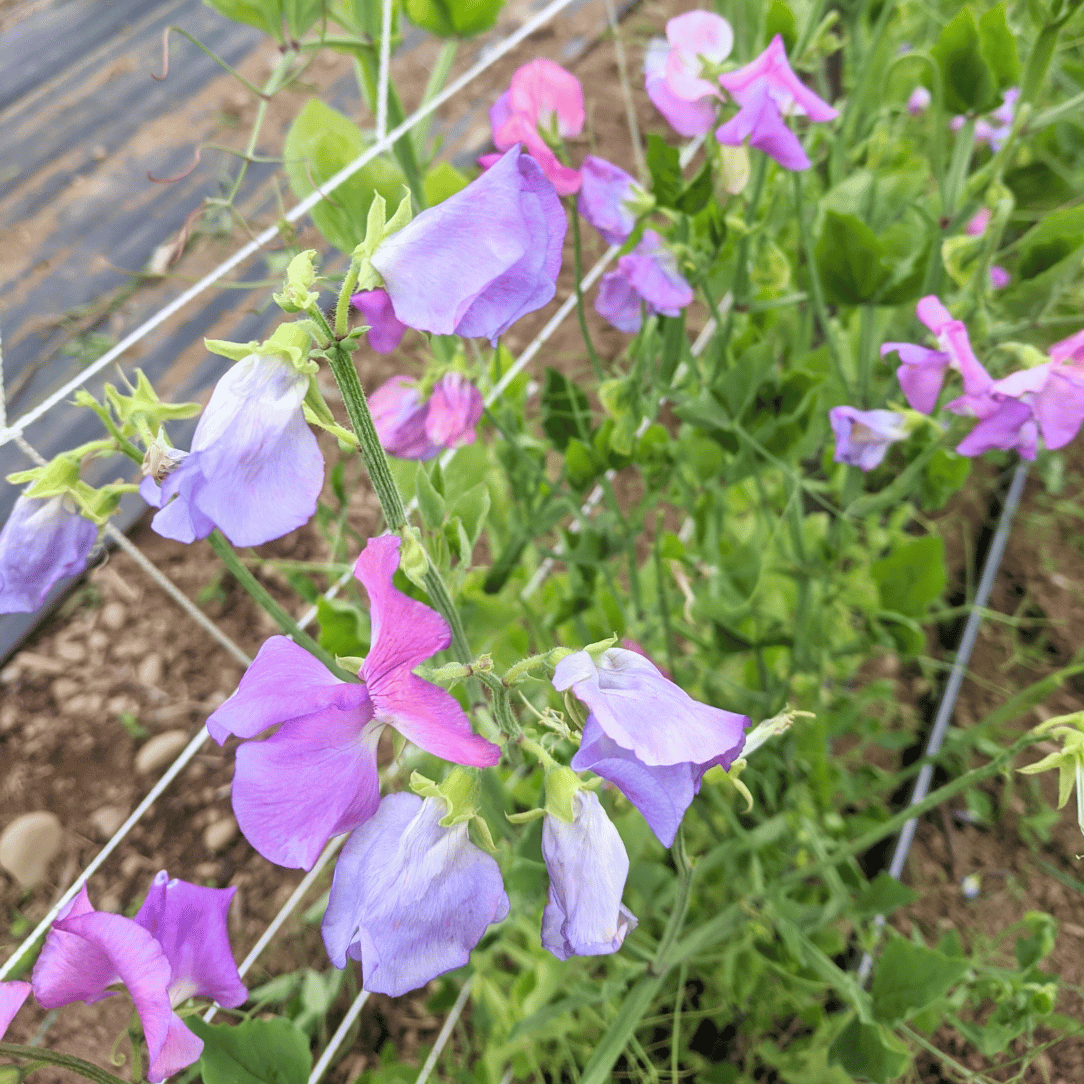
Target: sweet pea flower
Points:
x,y
411,429
999,277
637,707
43,541
993,134
695,37
410,899
765,90
607,199
176,947
686,118
976,225
316,776
918,102
385,331
864,436
648,274
12,996
661,793
1009,425
588,866
255,470
481,259
543,95
1054,392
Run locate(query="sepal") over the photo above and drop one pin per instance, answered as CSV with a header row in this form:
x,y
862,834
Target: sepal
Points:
x,y
298,294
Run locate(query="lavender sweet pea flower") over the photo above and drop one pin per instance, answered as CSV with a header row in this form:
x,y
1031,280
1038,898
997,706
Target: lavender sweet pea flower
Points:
x,y
605,196
662,793
645,713
864,436
410,899
588,866
1010,425
1055,393
43,541
385,331
317,775
12,996
255,470
177,947
765,90
474,264
411,429
649,273
541,94
918,102
686,118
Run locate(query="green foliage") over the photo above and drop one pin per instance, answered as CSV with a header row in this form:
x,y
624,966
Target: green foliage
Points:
x,y
453,18
253,1052
961,52
912,575
910,977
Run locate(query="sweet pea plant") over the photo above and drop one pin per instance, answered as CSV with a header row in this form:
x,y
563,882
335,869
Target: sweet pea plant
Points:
x,y
593,598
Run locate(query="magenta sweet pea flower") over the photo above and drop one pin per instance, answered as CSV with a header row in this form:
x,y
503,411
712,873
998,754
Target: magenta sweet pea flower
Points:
x,y
918,102
410,899
255,470
1009,425
541,95
316,776
588,866
686,118
999,277
607,198
648,274
43,542
176,947
1055,393
977,224
411,429
12,996
766,89
385,331
696,37
661,793
629,696
864,436
474,264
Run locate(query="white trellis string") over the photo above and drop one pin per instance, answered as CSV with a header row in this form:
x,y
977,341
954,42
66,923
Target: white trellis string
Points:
x,y
296,212
335,1041
445,1031
385,67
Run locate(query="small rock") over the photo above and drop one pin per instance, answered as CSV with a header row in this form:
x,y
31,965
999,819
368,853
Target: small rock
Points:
x,y
64,688
11,673
206,871
150,670
132,865
84,704
218,835
97,640
160,751
114,615
108,819
28,845
71,651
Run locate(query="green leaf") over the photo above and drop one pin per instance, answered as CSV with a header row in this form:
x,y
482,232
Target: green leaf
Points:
x,y
780,20
342,628
908,977
883,895
582,463
566,411
869,1052
663,163
255,1052
472,508
442,181
850,259
695,197
453,18
943,475
999,46
265,15
969,82
430,502
320,142
1058,235
912,575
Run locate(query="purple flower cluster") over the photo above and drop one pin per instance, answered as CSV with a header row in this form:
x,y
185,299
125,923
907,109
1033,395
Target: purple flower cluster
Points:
x,y
411,429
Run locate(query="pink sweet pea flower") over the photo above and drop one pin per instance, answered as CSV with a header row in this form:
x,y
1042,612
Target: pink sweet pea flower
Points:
x,y
686,118
541,95
385,331
481,259
12,996
919,101
863,437
766,89
1009,424
411,429
176,947
1055,393
694,37
454,409
317,775
999,277
976,226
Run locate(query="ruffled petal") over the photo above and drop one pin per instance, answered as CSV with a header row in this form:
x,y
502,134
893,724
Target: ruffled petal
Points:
x,y
618,302
385,331
1059,408
604,195
693,35
399,416
314,778
688,119
180,1049
1011,426
759,120
454,410
652,271
12,996
545,92
921,375
189,922
410,899
284,682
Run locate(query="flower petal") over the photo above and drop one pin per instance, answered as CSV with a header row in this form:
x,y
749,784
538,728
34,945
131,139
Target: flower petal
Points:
x,y
618,302
180,1049
399,416
12,996
686,118
385,331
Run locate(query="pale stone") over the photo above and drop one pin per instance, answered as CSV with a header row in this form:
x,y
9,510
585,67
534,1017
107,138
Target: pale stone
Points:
x,y
108,819
218,835
28,845
150,670
114,615
71,651
161,750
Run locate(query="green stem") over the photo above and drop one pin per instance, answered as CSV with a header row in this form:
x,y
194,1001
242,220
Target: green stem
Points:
x,y
957,172
342,306
661,963
442,599
289,626
64,1061
580,314
867,342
